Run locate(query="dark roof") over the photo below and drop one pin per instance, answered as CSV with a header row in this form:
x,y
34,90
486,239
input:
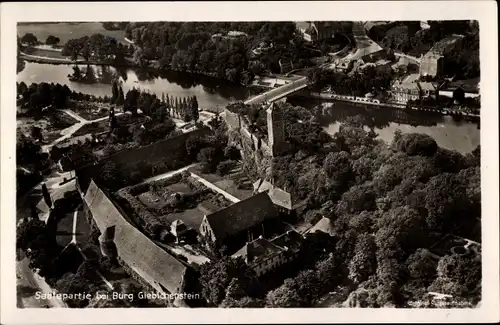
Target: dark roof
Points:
x,y
150,261
242,215
290,239
260,248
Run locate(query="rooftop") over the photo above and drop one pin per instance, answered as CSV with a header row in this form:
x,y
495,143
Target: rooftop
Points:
x,y
325,225
241,215
262,248
152,262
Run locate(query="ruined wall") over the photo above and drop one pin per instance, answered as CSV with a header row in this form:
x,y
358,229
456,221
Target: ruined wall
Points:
x,y
161,152
232,119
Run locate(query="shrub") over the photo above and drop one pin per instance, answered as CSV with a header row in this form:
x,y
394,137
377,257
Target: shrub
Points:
x,y
224,167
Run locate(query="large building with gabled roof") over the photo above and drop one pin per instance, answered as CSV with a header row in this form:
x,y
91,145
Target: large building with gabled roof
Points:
x,y
237,219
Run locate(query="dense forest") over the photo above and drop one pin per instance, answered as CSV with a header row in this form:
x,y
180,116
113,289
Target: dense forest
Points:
x,y
389,204
205,47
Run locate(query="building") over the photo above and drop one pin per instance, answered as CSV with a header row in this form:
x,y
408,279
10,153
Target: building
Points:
x,y
324,225
343,65
263,255
402,93
424,24
319,30
283,200
252,143
276,129
432,63
178,229
140,255
237,220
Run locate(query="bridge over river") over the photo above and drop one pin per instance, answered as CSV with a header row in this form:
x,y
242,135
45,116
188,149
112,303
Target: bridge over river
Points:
x,y
278,93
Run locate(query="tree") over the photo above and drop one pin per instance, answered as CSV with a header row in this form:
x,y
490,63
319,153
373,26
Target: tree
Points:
x,y
363,264
52,40
208,156
421,265
46,195
114,91
445,200
285,295
33,212
29,39
55,153
36,133
194,106
120,98
28,232
139,58
216,276
416,144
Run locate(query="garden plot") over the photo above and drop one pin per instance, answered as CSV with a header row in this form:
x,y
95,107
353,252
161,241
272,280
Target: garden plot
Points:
x,y
181,198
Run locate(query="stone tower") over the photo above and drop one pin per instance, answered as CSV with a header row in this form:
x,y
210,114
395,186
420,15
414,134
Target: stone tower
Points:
x,y
275,129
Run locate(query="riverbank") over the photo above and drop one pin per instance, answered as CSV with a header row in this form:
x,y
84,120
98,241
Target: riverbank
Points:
x,y
377,102
66,61
129,64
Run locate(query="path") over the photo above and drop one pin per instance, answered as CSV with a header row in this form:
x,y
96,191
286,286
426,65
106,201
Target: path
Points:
x,y
216,188
167,174
69,131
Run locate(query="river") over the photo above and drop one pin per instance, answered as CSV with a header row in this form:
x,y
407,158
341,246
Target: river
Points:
x,y
456,134
460,135
209,93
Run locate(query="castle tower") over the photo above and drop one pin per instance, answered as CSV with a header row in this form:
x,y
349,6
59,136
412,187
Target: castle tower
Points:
x,y
275,129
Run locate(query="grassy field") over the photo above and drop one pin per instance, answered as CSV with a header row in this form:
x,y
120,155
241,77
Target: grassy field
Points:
x,y
66,31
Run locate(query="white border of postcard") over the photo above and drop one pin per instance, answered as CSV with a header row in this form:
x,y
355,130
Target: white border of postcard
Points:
x,y
483,11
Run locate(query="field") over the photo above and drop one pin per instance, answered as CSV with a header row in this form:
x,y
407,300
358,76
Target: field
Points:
x,y
51,125
66,31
